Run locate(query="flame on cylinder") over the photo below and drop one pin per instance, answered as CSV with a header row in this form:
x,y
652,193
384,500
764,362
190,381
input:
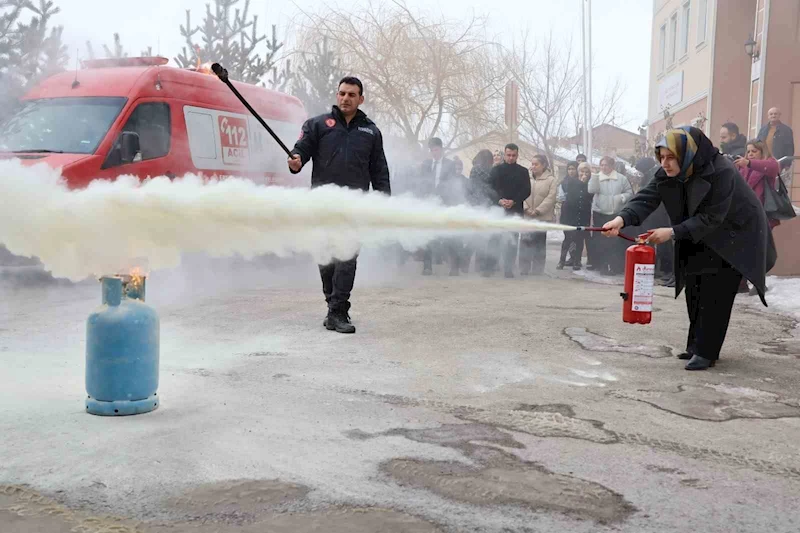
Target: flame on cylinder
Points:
x,y
137,277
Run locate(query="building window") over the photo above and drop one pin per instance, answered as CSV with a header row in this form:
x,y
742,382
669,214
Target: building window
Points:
x,y
702,21
662,60
754,125
673,38
685,28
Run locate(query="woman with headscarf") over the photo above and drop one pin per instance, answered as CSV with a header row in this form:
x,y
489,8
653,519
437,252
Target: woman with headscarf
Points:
x,y
720,230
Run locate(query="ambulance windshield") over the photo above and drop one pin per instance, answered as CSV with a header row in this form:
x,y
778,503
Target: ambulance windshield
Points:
x,y
60,125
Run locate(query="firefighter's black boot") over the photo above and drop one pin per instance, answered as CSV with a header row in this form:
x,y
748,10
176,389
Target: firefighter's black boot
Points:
x,y
339,320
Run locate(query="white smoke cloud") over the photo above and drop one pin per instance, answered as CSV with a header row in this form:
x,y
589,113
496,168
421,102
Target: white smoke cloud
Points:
x,y
111,226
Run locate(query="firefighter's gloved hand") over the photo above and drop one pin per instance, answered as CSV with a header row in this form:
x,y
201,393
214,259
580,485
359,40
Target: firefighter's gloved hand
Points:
x,y
611,229
295,163
658,236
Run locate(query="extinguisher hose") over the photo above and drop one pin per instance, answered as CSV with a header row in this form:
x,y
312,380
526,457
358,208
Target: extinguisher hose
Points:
x,y
620,235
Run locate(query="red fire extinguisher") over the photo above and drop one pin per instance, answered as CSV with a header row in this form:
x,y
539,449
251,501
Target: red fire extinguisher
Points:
x,y
640,273
640,270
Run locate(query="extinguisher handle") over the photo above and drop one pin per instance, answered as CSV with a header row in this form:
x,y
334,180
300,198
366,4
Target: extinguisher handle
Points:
x,y
620,235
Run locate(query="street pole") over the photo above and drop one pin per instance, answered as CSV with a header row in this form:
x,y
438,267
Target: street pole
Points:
x,y
589,83
585,140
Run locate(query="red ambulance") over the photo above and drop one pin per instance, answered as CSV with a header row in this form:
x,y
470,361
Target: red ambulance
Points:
x,y
136,116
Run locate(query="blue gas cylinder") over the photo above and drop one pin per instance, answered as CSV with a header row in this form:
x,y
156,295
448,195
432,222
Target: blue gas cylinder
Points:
x,y
122,351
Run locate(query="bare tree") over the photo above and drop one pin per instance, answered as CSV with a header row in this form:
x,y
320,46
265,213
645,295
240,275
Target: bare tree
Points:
x,y
605,111
424,76
551,100
549,83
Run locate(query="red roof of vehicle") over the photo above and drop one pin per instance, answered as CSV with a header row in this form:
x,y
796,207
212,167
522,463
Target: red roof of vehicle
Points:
x,y
195,88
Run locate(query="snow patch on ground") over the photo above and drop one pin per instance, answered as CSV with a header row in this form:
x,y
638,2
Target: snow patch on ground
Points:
x,y
743,392
783,296
605,376
596,277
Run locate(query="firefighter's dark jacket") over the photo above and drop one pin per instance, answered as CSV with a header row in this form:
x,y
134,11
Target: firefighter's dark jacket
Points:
x,y
345,155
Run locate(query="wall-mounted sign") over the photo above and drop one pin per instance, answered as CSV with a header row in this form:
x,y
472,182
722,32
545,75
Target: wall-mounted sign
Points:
x,y
670,90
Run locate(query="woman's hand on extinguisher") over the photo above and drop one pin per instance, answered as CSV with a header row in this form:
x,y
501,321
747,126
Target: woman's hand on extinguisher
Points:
x,y
611,229
658,236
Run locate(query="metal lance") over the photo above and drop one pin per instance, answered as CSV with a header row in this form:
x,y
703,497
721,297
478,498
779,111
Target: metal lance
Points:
x,y
222,74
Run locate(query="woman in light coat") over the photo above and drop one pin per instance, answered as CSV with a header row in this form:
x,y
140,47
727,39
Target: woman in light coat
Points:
x,y
540,205
611,191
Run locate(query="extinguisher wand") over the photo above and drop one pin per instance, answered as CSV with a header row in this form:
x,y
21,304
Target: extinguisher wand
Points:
x,y
222,74
620,235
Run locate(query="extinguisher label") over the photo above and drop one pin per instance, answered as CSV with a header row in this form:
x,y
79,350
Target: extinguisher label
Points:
x,y
643,280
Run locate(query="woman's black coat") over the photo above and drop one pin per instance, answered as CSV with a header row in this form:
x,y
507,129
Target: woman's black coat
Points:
x,y
723,213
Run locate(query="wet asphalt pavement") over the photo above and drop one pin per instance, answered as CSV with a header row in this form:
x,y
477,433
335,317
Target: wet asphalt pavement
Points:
x,y
461,404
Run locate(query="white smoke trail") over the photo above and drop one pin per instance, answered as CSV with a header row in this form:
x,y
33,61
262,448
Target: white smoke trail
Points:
x,y
110,226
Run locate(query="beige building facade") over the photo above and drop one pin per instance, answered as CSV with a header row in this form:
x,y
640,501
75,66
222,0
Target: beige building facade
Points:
x,y
718,61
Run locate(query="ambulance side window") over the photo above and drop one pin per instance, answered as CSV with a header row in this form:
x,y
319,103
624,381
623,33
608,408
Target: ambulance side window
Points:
x,y
151,121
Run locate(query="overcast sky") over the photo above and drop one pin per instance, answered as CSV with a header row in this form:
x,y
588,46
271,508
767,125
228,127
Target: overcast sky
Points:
x,y
621,35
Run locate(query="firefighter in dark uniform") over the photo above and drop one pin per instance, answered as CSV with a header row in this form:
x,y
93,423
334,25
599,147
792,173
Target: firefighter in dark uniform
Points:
x,y
347,150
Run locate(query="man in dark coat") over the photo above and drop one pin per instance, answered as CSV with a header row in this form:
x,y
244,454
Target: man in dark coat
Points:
x,y
433,173
512,184
731,142
779,137
720,230
435,169
347,150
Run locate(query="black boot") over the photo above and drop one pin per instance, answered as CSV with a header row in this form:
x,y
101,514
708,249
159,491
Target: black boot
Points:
x,y
560,265
699,363
339,320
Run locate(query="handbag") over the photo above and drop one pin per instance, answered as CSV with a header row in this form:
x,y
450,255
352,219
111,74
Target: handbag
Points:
x,y
777,203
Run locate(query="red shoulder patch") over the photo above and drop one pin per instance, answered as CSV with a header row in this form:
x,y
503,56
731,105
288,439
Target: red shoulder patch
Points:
x,y
330,122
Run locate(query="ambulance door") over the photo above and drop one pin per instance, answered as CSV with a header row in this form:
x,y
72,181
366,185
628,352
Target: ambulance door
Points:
x,y
143,145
